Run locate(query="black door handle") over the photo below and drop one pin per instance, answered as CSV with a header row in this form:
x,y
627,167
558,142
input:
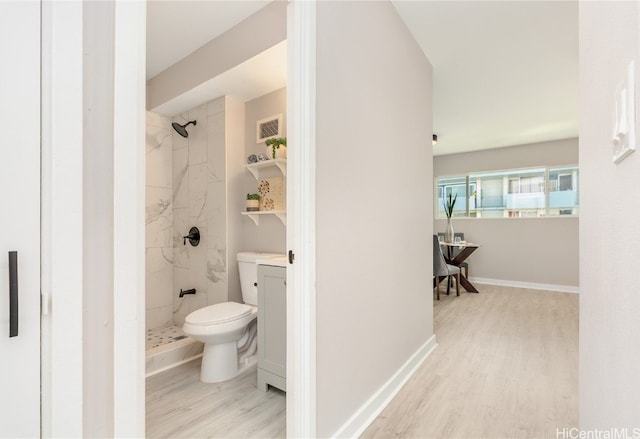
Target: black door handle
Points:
x,y
13,294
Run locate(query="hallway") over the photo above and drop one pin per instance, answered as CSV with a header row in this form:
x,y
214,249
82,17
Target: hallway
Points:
x,y
506,365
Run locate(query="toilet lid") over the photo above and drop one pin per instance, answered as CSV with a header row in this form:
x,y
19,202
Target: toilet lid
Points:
x,y
218,314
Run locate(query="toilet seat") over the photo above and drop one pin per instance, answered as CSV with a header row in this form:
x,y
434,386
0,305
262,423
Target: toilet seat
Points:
x,y
218,314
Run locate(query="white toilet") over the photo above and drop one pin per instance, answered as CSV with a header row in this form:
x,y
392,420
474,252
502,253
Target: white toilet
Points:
x,y
228,330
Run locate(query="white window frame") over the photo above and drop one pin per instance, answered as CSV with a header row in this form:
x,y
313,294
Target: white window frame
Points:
x,y
545,188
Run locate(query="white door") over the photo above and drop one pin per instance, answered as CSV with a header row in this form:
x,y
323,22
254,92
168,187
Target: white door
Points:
x,y
20,218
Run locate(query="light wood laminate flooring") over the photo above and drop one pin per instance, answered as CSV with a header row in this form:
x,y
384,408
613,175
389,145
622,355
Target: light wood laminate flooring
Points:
x,y
180,406
506,366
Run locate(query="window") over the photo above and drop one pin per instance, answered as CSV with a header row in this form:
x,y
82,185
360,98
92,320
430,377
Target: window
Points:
x,y
456,186
519,193
563,191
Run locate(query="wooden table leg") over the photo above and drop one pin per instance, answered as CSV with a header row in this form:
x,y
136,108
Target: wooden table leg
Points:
x,y
457,261
466,284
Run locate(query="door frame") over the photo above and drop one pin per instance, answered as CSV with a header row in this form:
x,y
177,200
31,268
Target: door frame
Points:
x,y
62,397
61,219
63,111
301,214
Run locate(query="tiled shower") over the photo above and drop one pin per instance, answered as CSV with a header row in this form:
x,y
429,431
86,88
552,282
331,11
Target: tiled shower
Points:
x,y
185,187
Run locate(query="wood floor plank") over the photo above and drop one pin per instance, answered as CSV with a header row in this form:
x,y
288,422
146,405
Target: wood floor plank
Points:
x,y
178,405
506,366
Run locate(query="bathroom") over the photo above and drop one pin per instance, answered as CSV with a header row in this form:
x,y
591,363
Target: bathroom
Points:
x,y
202,181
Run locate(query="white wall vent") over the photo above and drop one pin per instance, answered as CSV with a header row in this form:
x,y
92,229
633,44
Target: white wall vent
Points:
x,y
268,128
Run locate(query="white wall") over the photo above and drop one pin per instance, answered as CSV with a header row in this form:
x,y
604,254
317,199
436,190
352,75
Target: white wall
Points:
x,y
244,235
113,219
552,153
609,232
547,249
260,108
98,236
539,252
374,296
270,235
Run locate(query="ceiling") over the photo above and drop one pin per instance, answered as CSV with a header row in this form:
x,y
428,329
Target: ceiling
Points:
x,y
505,73
245,81
176,28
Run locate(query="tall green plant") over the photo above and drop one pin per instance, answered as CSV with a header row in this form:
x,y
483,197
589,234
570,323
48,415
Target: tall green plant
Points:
x,y
449,203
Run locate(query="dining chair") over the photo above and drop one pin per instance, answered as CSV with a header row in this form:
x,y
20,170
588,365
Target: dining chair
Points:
x,y
455,251
443,270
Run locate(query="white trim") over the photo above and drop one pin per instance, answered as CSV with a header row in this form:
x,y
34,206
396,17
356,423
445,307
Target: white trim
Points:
x,y
301,233
365,415
171,366
62,218
128,219
515,218
529,285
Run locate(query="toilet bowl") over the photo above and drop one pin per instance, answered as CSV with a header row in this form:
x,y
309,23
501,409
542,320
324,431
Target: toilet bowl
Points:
x,y
228,330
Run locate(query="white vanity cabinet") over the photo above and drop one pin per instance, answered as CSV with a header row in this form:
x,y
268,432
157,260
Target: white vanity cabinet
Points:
x,y
272,327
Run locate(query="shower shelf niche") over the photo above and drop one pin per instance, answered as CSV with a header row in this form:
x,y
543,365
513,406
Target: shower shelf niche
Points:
x,y
254,168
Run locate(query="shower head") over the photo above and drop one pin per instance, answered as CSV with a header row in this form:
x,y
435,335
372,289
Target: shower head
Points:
x,y
182,129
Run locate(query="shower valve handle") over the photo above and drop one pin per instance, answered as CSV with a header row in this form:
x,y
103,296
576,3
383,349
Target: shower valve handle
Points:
x,y
193,237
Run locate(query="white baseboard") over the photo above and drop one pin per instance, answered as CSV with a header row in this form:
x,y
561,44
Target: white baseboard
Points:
x,y
530,285
171,366
364,416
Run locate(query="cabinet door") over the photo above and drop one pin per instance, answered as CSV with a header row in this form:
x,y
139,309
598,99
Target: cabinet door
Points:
x,y
272,319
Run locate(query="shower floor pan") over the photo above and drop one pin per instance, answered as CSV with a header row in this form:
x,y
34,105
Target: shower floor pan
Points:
x,y
169,347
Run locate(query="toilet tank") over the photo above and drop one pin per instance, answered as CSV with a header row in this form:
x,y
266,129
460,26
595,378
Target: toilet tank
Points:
x,y
249,275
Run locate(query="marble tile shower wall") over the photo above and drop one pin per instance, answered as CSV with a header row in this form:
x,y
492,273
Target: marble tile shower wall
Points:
x,y
199,199
159,221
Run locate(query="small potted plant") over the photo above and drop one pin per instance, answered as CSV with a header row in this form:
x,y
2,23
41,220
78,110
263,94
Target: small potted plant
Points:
x,y
253,202
277,147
